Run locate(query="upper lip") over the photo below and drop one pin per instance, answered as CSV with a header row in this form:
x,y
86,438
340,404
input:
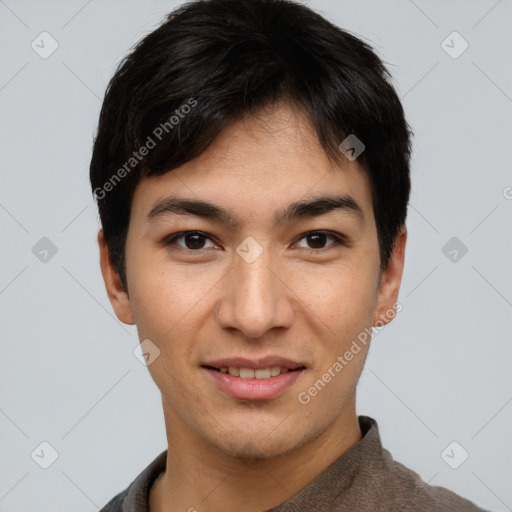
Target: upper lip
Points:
x,y
255,364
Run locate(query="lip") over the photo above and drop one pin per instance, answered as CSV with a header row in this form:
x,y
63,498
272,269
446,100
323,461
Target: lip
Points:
x,y
254,389
255,364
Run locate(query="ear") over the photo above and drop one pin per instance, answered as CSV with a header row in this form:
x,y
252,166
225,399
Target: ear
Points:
x,y
118,297
390,281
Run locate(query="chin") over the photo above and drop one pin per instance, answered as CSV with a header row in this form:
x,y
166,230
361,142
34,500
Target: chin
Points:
x,y
254,449
258,443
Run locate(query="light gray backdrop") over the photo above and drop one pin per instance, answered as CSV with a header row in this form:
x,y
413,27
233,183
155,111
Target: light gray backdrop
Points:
x,y
437,375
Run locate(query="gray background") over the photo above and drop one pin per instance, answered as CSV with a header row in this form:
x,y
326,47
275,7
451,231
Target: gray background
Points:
x,y
439,373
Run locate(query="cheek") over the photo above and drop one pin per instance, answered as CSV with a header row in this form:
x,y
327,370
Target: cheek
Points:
x,y
342,297
162,294
164,310
156,306
170,305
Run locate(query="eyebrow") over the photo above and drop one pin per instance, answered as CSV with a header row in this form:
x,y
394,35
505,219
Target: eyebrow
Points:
x,y
297,210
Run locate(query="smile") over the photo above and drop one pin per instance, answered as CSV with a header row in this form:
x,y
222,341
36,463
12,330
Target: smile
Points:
x,y
253,384
250,373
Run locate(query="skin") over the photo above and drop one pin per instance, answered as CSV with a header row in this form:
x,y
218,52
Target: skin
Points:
x,y
300,300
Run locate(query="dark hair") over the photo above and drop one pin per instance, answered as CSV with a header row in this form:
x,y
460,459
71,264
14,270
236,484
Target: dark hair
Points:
x,y
212,62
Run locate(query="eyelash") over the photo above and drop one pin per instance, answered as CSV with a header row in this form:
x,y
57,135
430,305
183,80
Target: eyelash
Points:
x,y
339,240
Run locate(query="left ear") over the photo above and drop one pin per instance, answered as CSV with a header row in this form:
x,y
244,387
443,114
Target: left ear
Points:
x,y
390,282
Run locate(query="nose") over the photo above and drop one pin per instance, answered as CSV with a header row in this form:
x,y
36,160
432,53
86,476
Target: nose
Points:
x,y
256,298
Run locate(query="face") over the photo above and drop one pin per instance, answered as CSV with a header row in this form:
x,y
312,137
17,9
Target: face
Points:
x,y
253,269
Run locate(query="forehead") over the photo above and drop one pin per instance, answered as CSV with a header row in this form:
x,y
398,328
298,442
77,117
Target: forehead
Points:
x,y
257,165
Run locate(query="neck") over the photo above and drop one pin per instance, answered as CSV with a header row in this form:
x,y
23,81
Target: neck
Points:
x,y
200,477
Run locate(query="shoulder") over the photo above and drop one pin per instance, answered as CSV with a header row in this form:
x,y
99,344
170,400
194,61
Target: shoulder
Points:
x,y
386,485
116,503
136,496
404,490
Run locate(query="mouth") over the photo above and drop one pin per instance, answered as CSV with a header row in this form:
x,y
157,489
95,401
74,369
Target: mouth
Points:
x,y
251,373
248,380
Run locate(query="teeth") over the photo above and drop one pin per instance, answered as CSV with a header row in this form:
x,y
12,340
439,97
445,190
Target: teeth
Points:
x,y
263,374
246,373
275,371
249,373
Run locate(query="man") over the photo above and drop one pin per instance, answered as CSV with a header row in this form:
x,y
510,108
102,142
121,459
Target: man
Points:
x,y
251,169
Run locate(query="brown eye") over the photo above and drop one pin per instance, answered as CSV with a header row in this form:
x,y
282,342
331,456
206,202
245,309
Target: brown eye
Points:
x,y
191,240
194,241
318,240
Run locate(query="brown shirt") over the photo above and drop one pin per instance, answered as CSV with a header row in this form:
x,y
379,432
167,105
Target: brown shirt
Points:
x,y
363,479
